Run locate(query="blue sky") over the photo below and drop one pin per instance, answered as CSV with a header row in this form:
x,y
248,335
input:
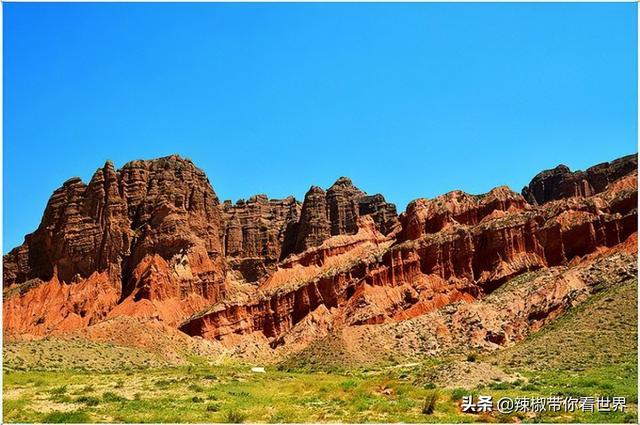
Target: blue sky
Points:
x,y
410,100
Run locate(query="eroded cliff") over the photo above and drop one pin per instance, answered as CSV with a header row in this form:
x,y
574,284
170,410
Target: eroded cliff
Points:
x,y
151,240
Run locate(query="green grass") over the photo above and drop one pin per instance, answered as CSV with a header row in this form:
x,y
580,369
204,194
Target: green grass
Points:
x,y
600,331
237,395
67,417
81,354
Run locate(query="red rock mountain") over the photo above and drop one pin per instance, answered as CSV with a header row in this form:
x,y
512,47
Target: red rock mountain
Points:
x,y
151,240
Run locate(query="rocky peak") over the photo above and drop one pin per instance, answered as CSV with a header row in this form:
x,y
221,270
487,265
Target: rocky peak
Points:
x,y
157,206
342,202
314,226
560,182
336,211
343,182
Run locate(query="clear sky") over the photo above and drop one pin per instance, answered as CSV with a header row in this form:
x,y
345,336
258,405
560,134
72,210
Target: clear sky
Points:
x,y
409,100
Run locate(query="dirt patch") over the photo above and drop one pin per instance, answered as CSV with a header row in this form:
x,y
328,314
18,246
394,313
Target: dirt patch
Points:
x,y
468,375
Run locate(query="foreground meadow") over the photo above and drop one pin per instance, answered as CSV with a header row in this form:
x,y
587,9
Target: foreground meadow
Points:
x,y
203,393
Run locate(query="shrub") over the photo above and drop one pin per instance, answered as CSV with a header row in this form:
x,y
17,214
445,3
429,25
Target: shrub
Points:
x,y
429,404
499,386
458,393
234,416
87,389
197,399
113,397
348,384
472,357
59,390
213,407
195,387
75,417
88,400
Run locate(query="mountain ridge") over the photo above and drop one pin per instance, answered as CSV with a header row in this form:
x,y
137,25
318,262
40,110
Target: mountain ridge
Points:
x,y
152,240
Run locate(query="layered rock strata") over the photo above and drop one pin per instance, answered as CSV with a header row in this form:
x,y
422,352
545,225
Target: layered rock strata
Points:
x,y
258,233
152,241
456,247
150,230
561,182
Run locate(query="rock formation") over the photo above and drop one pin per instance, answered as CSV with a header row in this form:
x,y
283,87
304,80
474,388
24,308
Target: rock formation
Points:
x,y
456,247
152,228
314,226
335,212
561,182
258,233
151,240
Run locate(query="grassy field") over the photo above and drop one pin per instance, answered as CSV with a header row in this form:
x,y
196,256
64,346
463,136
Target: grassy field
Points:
x,y
202,393
591,351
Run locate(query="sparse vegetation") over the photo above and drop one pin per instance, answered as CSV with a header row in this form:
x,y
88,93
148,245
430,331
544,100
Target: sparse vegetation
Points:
x,y
213,407
429,404
67,417
234,416
112,397
458,393
88,400
237,395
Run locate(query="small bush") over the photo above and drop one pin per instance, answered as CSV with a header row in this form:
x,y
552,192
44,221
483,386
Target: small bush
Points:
x,y
59,390
458,393
499,386
429,404
472,357
529,387
112,397
195,387
197,399
234,416
346,385
213,407
88,400
87,389
75,417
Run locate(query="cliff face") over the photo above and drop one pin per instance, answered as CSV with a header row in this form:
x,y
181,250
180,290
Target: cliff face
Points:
x,y
258,233
163,208
152,240
561,182
335,212
456,247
